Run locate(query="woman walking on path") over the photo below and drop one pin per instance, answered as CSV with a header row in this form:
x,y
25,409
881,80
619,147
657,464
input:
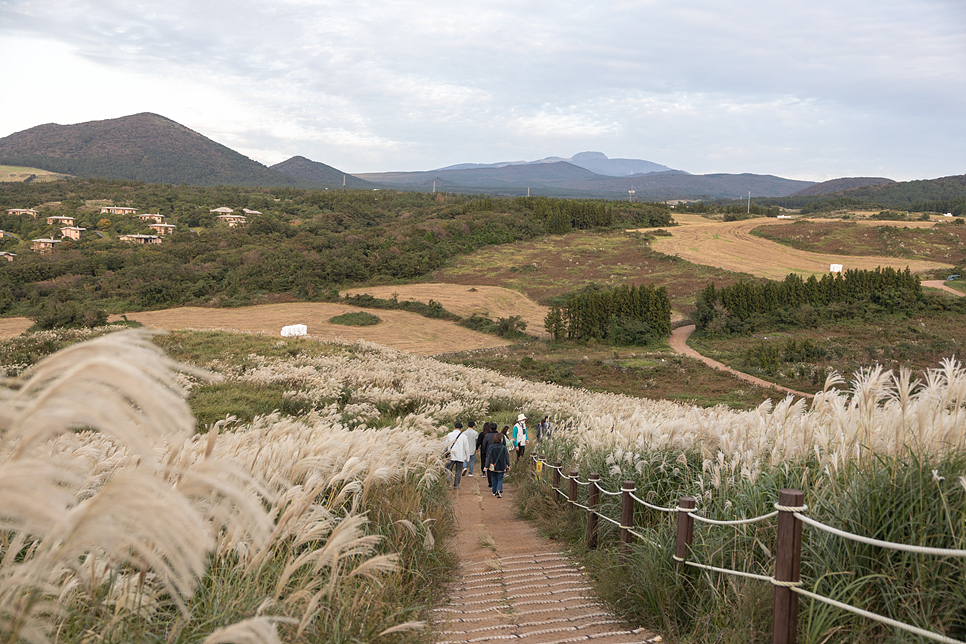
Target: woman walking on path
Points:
x,y
520,436
498,462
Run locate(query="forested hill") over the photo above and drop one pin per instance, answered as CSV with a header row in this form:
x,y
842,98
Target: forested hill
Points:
x,y
142,147
320,173
907,193
835,186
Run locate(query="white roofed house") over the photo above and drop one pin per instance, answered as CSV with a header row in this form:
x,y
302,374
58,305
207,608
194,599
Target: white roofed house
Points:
x,y
22,211
55,220
140,239
233,220
118,210
72,232
249,213
162,229
155,217
223,210
44,245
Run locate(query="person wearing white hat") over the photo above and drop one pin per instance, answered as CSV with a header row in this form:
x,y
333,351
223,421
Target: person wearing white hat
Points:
x,y
520,435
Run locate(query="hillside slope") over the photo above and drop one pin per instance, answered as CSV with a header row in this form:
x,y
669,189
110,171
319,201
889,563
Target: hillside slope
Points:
x,y
834,186
142,147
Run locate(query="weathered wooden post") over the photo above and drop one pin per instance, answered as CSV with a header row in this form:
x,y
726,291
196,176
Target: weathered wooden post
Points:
x,y
627,519
556,475
593,496
572,498
788,559
685,531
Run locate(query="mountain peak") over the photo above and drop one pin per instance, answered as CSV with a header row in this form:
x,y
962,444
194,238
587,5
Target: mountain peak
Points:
x,y
588,156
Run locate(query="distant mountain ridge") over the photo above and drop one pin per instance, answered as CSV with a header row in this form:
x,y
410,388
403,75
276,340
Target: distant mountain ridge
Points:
x,y
141,147
563,178
596,162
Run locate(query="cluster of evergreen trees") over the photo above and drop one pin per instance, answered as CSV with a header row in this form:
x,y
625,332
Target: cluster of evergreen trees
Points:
x,y
626,315
745,301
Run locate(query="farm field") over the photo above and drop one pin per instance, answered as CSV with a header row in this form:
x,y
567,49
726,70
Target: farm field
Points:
x,y
945,243
731,246
398,329
19,174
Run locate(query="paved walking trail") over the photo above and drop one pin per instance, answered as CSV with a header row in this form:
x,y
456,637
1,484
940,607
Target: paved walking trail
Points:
x,y
679,342
515,584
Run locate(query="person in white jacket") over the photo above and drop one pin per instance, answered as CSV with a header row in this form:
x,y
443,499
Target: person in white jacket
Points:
x,y
520,435
459,453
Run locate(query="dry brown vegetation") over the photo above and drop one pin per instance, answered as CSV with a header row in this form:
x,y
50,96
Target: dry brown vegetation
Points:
x,y
731,246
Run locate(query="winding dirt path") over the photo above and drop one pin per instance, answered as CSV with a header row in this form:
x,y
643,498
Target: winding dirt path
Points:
x,y
515,584
941,285
679,342
731,246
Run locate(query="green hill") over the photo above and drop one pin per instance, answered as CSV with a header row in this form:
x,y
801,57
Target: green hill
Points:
x,y
142,147
320,173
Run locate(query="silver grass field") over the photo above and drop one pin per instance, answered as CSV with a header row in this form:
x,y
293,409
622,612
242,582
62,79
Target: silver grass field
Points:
x,y
124,521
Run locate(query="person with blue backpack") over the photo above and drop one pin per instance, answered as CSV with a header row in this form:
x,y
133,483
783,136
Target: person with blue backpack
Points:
x,y
498,464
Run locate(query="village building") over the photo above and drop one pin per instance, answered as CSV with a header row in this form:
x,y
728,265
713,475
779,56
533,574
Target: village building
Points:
x,y
118,210
72,232
156,218
22,211
233,220
162,229
249,213
223,210
140,239
55,220
44,245
7,256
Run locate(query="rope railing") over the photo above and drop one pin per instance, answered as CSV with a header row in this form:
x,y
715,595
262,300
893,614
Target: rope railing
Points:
x,y
789,511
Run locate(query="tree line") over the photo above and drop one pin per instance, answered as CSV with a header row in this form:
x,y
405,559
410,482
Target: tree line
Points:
x,y
744,305
625,315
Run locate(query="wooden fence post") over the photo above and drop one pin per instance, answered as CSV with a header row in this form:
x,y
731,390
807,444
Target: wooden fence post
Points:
x,y
685,531
788,559
627,519
556,476
593,495
573,488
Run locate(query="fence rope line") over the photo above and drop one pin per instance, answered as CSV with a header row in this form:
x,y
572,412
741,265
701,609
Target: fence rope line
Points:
x,y
879,618
764,517
651,505
922,550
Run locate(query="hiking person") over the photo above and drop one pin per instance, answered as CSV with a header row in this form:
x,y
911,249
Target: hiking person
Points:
x,y
520,436
459,453
471,436
498,464
488,438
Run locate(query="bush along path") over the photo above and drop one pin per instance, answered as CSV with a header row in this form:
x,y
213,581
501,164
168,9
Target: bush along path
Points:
x,y
514,584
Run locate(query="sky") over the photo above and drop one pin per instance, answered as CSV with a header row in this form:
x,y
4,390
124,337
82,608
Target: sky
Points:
x,y
810,90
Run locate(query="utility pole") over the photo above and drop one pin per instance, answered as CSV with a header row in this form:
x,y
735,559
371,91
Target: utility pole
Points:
x,y
749,202
630,195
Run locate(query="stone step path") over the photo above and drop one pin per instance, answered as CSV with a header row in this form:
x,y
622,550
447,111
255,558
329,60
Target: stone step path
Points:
x,y
514,584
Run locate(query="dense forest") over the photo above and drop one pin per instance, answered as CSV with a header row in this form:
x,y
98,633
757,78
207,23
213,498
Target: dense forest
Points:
x,y
305,244
624,316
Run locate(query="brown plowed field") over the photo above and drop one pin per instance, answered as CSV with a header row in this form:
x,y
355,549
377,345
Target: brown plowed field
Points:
x,y
398,329
731,246
491,301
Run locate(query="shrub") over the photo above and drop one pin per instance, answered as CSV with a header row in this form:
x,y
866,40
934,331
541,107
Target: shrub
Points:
x,y
356,318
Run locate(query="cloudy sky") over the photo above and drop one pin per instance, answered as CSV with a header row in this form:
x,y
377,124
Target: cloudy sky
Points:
x,y
812,89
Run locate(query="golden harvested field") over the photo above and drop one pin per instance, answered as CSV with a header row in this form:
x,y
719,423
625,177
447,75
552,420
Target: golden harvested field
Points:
x,y
398,329
10,327
463,300
19,174
731,246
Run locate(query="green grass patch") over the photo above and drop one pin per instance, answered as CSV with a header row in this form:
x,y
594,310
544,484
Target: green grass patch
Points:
x,y
243,400
356,318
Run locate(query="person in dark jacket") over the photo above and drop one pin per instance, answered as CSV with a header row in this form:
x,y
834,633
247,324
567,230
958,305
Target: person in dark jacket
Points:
x,y
498,463
488,435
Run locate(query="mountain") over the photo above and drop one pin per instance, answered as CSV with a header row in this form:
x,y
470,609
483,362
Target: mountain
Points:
x,y
907,193
840,185
142,147
596,162
563,179
321,173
